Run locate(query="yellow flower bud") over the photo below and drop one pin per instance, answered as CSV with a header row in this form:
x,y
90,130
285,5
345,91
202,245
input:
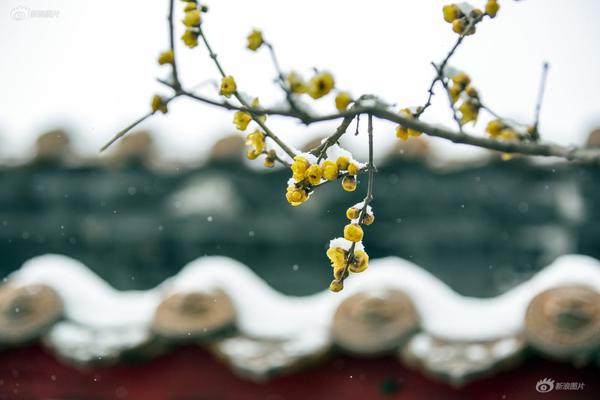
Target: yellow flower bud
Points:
x,y
508,135
342,163
330,170
296,83
368,219
252,154
353,232
342,100
190,38
190,6
320,85
352,213
492,7
459,25
469,112
313,174
349,183
360,262
461,79
471,91
296,196
476,13
507,156
192,18
494,127
451,12
241,120
339,273
255,40
256,139
269,162
158,104
337,256
299,167
166,57
353,169
336,285
228,86
455,91
401,132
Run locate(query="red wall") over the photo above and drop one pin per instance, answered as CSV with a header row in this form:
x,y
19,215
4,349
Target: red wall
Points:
x,y
190,373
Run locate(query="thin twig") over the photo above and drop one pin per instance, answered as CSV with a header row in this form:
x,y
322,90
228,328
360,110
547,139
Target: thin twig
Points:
x,y
440,70
124,131
538,106
366,201
255,117
176,83
535,149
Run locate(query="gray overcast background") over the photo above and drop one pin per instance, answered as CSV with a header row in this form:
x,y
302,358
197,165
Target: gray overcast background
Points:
x,y
92,68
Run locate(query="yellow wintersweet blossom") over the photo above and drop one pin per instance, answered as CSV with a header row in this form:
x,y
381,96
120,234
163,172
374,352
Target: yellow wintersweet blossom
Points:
x,y
402,132
336,285
166,57
256,140
190,6
299,167
353,169
296,196
451,12
313,174
241,120
494,127
469,112
337,256
360,262
342,100
270,159
190,38
228,86
342,163
255,103
492,7
508,134
320,85
330,170
353,233
158,104
461,79
368,219
295,83
352,213
192,18
349,183
255,40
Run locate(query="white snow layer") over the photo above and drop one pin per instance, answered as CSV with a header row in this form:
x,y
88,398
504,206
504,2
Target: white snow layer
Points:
x,y
100,320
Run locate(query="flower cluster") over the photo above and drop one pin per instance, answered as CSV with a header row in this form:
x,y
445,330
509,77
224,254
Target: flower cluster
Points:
x,y
462,90
463,17
192,20
403,132
306,175
347,254
321,84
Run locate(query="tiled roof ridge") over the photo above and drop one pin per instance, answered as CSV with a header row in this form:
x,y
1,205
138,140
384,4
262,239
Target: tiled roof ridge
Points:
x,y
395,307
